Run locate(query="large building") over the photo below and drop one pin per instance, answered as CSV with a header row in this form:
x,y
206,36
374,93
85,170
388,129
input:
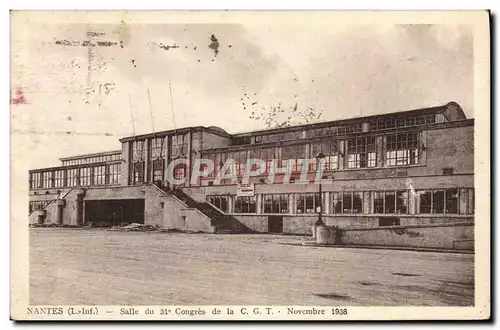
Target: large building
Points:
x,y
409,167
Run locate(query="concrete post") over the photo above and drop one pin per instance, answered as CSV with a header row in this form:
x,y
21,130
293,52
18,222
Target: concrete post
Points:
x,y
59,215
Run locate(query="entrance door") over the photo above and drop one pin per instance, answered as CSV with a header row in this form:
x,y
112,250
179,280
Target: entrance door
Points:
x,y
275,224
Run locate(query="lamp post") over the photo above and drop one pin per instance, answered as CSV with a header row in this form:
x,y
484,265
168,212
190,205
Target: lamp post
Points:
x,y
320,157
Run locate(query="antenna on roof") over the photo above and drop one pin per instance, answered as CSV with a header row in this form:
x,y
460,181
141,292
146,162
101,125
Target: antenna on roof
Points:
x,y
131,114
151,112
172,104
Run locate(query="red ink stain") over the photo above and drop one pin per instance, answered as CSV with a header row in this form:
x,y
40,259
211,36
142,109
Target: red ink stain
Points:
x,y
18,98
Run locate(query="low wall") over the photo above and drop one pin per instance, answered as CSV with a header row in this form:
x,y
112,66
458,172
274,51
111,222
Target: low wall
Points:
x,y
194,220
458,236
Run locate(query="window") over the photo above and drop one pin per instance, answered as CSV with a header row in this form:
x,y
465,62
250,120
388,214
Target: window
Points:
x,y
266,154
293,156
329,149
36,180
114,174
157,148
275,203
59,179
179,145
47,179
221,202
392,123
361,152
307,203
402,149
138,172
158,168
346,202
138,151
445,201
38,205
336,202
72,178
244,204
99,175
390,202
85,178
240,160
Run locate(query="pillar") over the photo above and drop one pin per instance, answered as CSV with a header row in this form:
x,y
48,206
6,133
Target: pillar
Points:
x,y
59,215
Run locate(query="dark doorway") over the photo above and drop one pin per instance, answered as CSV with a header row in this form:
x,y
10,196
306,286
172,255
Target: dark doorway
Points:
x,y
275,224
107,213
388,221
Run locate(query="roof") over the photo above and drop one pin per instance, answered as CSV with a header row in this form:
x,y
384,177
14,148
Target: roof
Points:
x,y
104,153
450,106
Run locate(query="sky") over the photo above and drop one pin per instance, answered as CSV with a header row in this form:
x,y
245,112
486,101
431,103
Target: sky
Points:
x,y
71,102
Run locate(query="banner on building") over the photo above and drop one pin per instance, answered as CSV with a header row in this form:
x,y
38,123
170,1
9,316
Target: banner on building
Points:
x,y
245,190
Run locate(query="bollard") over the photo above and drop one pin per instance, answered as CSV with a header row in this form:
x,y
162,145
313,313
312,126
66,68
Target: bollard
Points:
x,y
322,234
314,230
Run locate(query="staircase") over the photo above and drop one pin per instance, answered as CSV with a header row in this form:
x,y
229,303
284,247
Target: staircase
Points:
x,y
223,223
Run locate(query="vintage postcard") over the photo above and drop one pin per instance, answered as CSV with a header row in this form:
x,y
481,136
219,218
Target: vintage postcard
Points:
x,y
250,165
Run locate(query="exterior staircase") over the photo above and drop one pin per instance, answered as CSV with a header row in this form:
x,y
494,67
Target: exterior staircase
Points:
x,y
223,223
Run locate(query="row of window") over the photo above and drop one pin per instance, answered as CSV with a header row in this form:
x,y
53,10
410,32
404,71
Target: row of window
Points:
x,y
38,205
401,149
87,176
374,125
91,160
438,201
158,147
394,122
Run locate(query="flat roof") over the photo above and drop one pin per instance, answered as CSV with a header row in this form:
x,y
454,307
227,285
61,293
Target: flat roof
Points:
x,y
104,153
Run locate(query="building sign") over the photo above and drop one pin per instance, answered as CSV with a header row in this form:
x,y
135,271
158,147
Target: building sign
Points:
x,y
245,190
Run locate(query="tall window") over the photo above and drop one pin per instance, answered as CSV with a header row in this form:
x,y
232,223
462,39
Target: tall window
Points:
x,y
361,152
445,201
293,157
114,173
100,175
158,168
138,165
329,149
85,178
157,147
266,154
72,177
138,151
179,145
244,204
47,179
59,179
219,201
36,180
402,149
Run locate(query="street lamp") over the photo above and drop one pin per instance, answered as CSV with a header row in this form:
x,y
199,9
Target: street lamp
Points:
x,y
320,157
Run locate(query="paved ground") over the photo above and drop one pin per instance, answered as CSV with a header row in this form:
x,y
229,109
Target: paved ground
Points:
x,y
72,266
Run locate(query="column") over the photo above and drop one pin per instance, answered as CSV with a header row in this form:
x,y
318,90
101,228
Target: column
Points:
x,y
326,202
380,151
59,215
147,161
258,201
342,155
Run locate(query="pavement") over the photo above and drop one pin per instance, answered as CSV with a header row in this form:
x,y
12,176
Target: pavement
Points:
x,y
96,266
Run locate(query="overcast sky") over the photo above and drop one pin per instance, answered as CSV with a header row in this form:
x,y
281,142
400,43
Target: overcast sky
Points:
x,y
341,71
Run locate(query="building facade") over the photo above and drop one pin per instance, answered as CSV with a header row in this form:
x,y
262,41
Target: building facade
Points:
x,y
411,167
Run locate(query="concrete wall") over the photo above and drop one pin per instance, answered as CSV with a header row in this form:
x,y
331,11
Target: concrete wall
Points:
x,y
194,220
445,236
211,141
